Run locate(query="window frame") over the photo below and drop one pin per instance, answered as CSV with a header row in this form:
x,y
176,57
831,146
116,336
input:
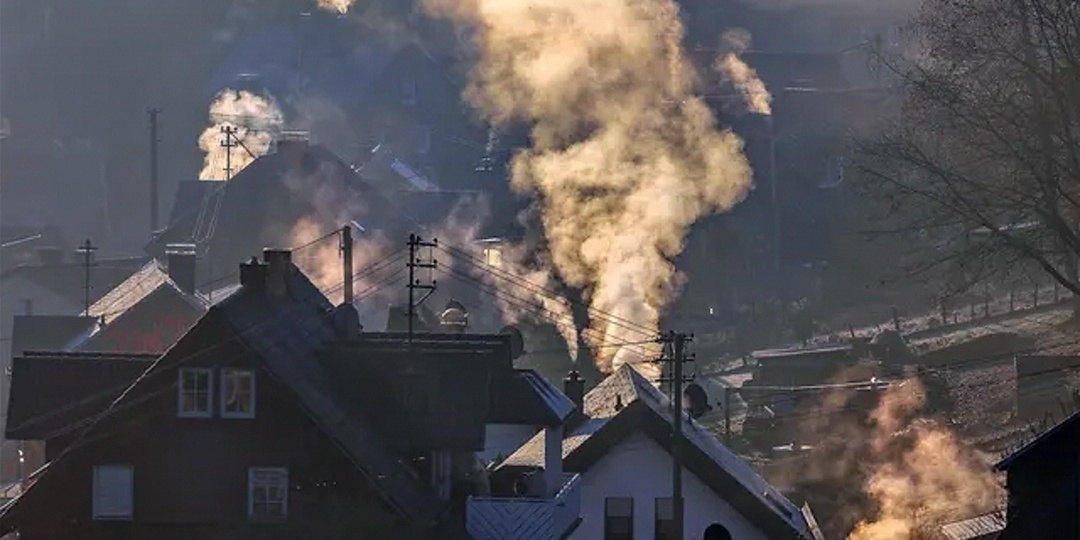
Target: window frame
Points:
x,y
223,399
95,513
252,516
608,533
209,412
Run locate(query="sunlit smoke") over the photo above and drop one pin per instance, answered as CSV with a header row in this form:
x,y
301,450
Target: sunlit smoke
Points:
x,y
740,75
339,6
255,119
322,262
625,157
923,475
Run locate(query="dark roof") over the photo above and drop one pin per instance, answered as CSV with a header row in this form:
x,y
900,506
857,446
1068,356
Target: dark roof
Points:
x,y
49,332
263,202
54,392
67,279
626,402
529,399
1070,426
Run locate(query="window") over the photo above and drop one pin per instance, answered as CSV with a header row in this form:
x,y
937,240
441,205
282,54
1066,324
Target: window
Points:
x,y
665,519
493,257
195,389
112,492
237,393
408,92
618,518
268,493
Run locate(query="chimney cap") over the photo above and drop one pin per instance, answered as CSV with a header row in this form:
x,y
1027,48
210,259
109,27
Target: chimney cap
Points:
x,y
180,249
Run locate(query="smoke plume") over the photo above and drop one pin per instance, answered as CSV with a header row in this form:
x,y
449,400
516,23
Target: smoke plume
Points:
x,y
624,158
742,76
340,6
924,475
254,119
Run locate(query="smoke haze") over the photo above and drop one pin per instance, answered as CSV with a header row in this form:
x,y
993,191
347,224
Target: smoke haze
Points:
x,y
340,6
255,120
740,75
624,157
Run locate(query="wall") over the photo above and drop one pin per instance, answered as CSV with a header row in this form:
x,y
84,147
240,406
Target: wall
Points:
x,y
639,468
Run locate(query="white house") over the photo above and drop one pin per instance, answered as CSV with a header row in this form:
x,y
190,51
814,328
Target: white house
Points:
x,y
620,448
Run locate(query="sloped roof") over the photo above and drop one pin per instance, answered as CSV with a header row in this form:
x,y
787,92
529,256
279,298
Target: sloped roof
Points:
x,y
55,392
529,399
626,402
49,332
1070,426
68,279
134,290
976,528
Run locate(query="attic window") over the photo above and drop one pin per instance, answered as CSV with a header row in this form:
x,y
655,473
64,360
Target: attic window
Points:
x,y
619,518
268,493
112,492
237,393
408,92
195,389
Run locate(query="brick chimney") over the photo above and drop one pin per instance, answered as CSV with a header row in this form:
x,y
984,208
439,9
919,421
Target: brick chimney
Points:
x,y
180,259
278,270
574,388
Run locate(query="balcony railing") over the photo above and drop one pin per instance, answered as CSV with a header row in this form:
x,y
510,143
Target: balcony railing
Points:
x,y
526,518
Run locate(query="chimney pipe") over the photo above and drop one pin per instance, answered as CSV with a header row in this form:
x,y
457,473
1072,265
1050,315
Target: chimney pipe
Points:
x,y
278,270
181,265
253,274
574,388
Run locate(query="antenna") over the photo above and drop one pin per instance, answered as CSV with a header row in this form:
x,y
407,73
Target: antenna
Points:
x,y
154,140
87,250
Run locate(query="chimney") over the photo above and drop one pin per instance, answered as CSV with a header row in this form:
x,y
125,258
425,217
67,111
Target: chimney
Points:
x,y
293,145
181,265
278,270
253,274
574,388
50,255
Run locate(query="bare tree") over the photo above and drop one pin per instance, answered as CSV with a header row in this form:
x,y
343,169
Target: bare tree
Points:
x,y
982,164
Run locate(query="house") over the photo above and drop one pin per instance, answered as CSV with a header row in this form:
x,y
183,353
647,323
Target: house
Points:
x,y
802,366
984,527
1043,483
620,445
151,309
275,417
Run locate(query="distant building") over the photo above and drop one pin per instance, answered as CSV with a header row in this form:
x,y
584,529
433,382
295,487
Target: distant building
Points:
x,y
274,415
621,447
1043,481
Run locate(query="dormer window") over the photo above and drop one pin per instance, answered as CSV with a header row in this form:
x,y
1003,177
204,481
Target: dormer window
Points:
x,y
408,92
237,393
194,390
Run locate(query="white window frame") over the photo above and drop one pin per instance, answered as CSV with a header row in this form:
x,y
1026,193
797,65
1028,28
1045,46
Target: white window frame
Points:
x,y
223,398
98,513
252,471
209,412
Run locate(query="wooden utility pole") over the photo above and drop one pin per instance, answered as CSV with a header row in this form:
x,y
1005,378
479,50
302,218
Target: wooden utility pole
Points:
x,y
87,251
154,140
416,242
346,262
678,342
227,144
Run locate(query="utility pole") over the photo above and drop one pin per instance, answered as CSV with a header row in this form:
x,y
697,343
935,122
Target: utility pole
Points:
x,y
227,144
775,197
346,262
154,140
87,251
678,342
416,242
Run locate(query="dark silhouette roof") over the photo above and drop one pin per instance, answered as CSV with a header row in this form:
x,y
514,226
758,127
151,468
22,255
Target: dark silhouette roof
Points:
x,y
55,392
1069,428
625,403
49,332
